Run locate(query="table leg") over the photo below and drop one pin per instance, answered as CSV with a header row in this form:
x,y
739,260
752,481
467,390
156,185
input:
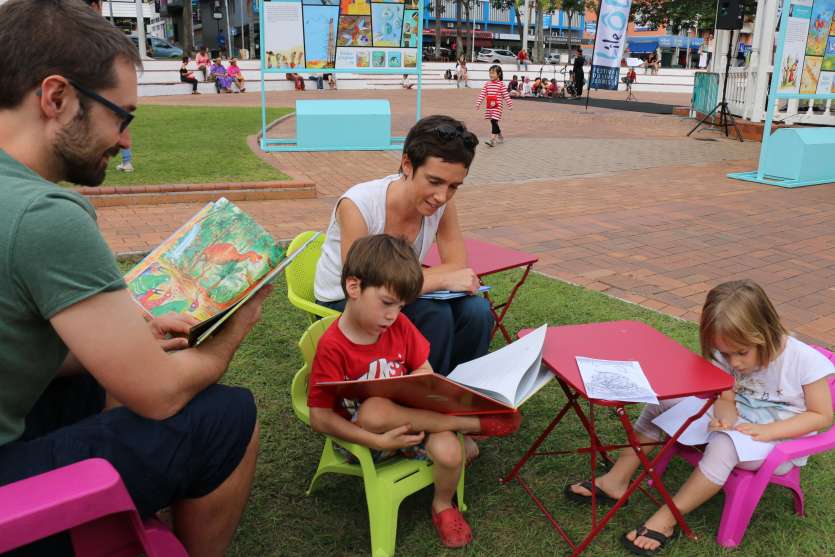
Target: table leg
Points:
x,y
513,474
499,317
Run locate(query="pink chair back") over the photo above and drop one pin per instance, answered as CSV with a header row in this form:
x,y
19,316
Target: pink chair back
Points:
x,y
89,499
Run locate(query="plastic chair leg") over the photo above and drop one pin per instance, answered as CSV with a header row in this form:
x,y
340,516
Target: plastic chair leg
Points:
x,y
797,495
382,519
741,498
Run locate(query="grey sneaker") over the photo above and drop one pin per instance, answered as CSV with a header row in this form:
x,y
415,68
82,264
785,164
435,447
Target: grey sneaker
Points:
x,y
500,138
125,167
490,143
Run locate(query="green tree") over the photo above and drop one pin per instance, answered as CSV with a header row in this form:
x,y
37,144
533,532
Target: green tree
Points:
x,y
511,5
572,8
681,14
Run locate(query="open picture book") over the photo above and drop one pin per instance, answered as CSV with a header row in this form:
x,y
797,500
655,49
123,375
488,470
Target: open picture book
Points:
x,y
500,381
208,268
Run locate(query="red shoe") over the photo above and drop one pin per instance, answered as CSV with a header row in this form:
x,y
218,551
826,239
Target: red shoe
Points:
x,y
452,528
500,425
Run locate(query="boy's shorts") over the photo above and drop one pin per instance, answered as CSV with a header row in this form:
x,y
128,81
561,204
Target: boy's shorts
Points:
x,y
415,452
186,456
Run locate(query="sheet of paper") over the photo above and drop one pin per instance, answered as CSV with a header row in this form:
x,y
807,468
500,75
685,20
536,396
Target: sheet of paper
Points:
x,y
503,371
697,434
450,294
615,380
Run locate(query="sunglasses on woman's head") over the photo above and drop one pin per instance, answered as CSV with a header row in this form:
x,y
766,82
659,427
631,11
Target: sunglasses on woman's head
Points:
x,y
448,132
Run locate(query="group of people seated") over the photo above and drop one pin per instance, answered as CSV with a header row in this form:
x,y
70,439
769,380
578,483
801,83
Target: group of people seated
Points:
x,y
319,78
224,77
539,87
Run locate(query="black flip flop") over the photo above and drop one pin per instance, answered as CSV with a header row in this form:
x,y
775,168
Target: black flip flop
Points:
x,y
602,498
643,531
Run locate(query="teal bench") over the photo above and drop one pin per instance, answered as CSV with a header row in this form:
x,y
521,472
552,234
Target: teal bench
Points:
x,y
343,125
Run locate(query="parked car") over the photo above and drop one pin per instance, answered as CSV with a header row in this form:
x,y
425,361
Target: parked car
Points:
x,y
496,56
429,53
553,58
159,48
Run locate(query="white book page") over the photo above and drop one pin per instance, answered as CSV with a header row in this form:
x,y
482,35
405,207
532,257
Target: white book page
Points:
x,y
505,369
615,380
697,434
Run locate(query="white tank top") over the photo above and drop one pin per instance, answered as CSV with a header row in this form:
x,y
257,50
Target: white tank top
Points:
x,y
370,199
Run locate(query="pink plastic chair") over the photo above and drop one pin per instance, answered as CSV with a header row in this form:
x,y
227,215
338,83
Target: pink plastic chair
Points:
x,y
744,488
88,499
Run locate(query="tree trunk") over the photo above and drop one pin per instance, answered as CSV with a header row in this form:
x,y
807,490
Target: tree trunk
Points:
x,y
538,32
439,10
187,39
519,23
570,15
459,7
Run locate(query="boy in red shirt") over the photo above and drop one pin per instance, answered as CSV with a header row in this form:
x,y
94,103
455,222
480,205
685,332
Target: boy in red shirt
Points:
x,y
372,339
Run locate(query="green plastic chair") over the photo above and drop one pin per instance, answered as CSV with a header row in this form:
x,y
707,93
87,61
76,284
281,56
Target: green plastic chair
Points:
x,y
387,483
300,274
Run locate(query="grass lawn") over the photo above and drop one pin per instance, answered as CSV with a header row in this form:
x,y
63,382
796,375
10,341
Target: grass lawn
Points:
x,y
282,520
175,144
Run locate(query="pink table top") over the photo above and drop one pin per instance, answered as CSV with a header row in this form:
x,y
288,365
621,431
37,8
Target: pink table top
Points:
x,y
485,258
672,370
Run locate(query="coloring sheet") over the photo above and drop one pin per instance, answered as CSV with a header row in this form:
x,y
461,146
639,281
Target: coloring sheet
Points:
x,y
615,380
697,434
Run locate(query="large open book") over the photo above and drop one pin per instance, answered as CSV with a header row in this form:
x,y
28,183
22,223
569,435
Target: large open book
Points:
x,y
501,381
208,268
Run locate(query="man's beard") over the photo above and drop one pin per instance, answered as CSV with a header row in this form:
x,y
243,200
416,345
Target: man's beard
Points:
x,y
75,147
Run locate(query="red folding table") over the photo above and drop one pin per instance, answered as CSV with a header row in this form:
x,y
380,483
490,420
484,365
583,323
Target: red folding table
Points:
x,y
672,370
487,259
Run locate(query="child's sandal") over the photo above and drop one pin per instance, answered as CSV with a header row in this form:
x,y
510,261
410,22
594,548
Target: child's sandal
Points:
x,y
452,528
500,425
643,531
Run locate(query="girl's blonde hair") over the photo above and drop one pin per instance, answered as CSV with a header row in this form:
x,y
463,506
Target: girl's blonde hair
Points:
x,y
740,312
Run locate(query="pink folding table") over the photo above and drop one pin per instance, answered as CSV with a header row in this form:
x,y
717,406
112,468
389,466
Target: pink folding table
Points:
x,y
487,259
672,370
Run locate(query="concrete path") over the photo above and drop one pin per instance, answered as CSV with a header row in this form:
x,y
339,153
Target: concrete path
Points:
x,y
619,202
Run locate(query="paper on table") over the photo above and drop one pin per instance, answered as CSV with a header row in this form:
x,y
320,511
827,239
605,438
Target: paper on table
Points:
x,y
697,434
615,380
450,294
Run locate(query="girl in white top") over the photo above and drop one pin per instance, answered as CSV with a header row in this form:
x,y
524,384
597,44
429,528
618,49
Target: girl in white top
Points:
x,y
781,391
418,204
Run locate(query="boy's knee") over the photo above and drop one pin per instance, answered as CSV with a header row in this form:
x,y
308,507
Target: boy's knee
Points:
x,y
373,414
445,449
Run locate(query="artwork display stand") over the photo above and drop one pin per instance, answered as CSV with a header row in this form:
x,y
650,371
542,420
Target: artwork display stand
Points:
x,y
328,128
793,158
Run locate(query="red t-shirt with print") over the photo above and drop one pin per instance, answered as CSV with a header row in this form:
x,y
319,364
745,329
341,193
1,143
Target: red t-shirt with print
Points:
x,y
399,350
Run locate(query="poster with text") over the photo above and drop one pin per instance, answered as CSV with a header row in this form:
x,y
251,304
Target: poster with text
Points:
x,y
387,21
794,46
284,37
320,23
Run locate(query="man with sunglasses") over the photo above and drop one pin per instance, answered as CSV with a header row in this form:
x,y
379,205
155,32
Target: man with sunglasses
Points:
x,y
81,374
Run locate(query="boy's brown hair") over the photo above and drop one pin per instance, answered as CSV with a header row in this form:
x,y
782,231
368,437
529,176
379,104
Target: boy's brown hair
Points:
x,y
384,260
740,312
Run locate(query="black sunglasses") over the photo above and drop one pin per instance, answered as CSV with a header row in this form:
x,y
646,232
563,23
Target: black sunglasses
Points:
x,y
125,116
448,132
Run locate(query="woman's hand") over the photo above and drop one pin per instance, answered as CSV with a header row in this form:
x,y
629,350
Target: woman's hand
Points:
x,y
462,280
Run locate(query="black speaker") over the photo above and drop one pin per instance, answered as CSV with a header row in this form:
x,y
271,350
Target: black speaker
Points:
x,y
729,14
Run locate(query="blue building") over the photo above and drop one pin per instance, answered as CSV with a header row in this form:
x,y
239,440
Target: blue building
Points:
x,y
495,28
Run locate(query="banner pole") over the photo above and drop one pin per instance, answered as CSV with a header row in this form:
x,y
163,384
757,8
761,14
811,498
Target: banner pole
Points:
x,y
593,47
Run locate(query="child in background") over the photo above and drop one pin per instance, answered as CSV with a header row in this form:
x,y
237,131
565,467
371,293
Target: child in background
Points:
x,y
493,94
526,87
405,83
781,391
372,339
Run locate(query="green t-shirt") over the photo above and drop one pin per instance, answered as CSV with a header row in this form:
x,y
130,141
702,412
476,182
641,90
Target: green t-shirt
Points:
x,y
52,256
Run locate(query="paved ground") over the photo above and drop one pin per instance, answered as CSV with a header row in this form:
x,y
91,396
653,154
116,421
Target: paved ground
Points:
x,y
616,201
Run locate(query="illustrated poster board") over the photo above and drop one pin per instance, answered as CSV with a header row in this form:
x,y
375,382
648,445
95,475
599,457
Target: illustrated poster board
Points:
x,y
306,36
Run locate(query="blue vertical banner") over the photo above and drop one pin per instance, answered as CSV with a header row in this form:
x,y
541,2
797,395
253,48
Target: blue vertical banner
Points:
x,y
609,41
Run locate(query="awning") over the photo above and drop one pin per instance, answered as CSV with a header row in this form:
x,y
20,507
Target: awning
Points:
x,y
642,47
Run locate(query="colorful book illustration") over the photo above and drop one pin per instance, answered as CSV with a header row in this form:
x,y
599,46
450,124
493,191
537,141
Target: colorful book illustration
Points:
x,y
450,294
208,268
498,382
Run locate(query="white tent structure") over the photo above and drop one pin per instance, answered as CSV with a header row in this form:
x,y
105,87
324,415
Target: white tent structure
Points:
x,y
748,86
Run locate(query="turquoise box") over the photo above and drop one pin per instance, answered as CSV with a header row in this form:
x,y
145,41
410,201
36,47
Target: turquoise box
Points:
x,y
804,154
343,125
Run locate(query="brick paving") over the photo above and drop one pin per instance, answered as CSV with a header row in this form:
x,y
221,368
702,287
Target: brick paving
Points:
x,y
614,201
